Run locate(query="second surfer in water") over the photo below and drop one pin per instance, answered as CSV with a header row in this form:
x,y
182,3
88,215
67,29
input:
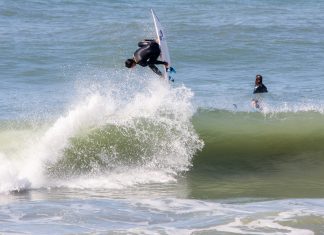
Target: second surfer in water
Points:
x,y
146,55
259,86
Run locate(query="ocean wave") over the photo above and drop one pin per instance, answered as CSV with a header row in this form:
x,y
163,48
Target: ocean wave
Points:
x,y
255,140
143,130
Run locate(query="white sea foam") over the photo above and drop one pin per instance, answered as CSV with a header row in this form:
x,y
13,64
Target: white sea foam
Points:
x,y
116,180
119,106
261,226
208,217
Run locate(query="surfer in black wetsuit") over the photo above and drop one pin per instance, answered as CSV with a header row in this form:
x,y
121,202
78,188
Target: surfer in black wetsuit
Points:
x,y
259,86
146,55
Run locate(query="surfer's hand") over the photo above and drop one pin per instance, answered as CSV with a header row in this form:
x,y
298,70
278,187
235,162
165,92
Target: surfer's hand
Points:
x,y
166,63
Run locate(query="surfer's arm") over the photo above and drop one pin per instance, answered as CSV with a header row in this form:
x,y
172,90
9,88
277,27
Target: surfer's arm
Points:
x,y
155,61
159,62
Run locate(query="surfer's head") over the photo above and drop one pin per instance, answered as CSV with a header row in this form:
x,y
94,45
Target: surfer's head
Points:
x,y
258,79
255,104
129,63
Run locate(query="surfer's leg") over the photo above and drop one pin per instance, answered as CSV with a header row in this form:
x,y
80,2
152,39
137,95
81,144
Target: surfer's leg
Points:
x,y
155,69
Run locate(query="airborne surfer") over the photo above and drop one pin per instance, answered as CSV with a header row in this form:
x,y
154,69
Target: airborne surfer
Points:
x,y
146,55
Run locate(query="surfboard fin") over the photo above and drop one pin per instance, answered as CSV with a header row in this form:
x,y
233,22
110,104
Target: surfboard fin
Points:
x,y
171,70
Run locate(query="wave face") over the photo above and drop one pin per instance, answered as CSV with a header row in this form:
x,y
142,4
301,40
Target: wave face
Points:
x,y
117,135
264,154
253,135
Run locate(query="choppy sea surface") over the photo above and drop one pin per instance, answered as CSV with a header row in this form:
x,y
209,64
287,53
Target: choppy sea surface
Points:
x,y
90,147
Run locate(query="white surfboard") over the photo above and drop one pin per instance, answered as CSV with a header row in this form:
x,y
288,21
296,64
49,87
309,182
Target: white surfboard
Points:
x,y
165,56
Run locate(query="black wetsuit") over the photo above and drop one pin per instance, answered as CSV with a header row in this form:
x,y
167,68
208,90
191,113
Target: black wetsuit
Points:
x,y
260,89
147,55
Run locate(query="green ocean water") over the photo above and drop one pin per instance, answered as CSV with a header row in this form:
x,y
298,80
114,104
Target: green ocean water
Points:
x,y
89,147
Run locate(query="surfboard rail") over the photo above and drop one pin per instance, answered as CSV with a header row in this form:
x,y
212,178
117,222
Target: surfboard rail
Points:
x,y
161,39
